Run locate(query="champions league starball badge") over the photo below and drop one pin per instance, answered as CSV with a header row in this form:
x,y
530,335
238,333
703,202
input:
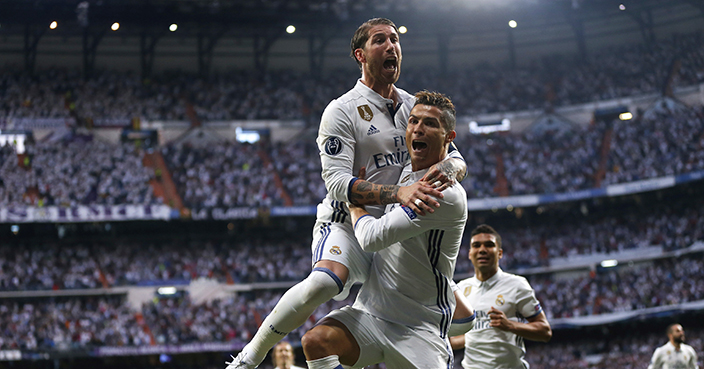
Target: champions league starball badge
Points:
x,y
333,146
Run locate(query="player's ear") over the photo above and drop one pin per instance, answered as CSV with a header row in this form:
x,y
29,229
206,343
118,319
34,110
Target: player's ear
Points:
x,y
501,253
450,136
359,54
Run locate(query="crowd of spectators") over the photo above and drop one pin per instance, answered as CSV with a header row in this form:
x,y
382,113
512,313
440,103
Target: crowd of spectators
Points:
x,y
298,165
629,351
79,171
667,139
47,266
222,174
69,323
659,283
552,81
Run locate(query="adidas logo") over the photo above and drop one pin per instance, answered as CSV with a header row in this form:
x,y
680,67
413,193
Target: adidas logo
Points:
x,y
372,130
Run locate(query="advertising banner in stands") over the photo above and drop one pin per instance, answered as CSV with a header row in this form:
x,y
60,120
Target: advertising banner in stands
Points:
x,y
224,213
84,213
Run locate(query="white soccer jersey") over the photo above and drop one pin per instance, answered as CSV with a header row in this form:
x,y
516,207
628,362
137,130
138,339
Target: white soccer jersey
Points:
x,y
668,357
487,347
361,129
414,261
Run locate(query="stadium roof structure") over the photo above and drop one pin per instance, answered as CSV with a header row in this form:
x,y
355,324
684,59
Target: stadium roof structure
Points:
x,y
317,20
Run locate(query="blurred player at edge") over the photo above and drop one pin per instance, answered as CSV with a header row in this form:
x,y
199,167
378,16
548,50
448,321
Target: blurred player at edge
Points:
x,y
675,353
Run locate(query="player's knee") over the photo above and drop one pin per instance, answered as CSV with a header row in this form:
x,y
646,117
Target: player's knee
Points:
x,y
316,343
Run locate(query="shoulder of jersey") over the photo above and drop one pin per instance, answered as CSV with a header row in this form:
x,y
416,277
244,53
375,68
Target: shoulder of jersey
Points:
x,y
351,97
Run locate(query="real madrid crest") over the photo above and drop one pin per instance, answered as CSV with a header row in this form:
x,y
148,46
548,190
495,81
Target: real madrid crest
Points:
x,y
365,112
335,250
500,300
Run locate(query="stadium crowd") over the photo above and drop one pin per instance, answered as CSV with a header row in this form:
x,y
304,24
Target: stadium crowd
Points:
x,y
221,174
629,351
80,171
555,81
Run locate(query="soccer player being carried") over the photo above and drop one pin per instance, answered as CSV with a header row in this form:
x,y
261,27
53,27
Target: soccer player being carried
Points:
x,y
403,312
365,127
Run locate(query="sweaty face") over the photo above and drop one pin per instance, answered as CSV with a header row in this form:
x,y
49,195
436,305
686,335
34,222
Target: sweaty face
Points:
x,y
484,252
426,137
382,54
283,355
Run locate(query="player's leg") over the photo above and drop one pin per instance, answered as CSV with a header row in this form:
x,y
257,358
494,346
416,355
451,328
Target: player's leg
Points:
x,y
329,344
333,247
345,338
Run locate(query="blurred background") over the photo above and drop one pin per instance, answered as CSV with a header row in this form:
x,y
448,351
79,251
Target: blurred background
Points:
x,y
159,173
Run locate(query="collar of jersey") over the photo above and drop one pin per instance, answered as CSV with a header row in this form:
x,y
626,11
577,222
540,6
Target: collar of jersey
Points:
x,y
373,97
491,281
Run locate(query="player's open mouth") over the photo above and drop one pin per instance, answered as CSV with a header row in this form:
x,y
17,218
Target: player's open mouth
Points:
x,y
390,64
419,145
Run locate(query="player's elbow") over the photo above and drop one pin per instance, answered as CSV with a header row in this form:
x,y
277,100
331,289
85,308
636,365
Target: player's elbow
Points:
x,y
547,334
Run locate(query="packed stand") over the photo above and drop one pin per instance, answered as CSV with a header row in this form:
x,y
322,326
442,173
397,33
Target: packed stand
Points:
x,y
298,165
69,323
660,283
221,175
672,225
613,352
50,266
81,171
668,139
555,81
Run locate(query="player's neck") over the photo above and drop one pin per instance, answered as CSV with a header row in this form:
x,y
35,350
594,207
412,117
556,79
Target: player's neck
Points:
x,y
485,275
384,89
676,344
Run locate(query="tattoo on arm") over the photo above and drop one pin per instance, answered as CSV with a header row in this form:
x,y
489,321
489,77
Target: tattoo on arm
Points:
x,y
365,193
388,193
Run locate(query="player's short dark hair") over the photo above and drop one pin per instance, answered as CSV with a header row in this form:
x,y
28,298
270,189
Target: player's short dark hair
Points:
x,y
361,35
485,228
670,327
441,102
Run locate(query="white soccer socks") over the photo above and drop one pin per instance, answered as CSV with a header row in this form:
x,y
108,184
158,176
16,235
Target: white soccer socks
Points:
x,y
328,362
292,310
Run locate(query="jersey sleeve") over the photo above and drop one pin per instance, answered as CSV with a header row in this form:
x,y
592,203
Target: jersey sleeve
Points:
x,y
336,143
526,302
403,223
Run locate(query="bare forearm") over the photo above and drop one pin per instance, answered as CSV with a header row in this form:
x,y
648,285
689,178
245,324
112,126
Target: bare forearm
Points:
x,y
534,331
367,193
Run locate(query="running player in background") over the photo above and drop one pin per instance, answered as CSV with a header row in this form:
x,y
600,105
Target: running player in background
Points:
x,y
506,308
363,128
403,311
675,353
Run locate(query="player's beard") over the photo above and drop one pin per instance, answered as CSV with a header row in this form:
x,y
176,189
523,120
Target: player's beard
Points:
x,y
376,68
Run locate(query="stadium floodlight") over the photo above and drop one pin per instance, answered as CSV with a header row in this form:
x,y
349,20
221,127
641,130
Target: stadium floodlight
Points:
x,y
53,25
402,29
115,26
625,116
512,23
166,290
609,263
15,229
173,27
290,29
622,7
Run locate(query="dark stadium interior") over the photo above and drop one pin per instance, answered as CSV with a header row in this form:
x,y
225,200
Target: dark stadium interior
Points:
x,y
126,167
